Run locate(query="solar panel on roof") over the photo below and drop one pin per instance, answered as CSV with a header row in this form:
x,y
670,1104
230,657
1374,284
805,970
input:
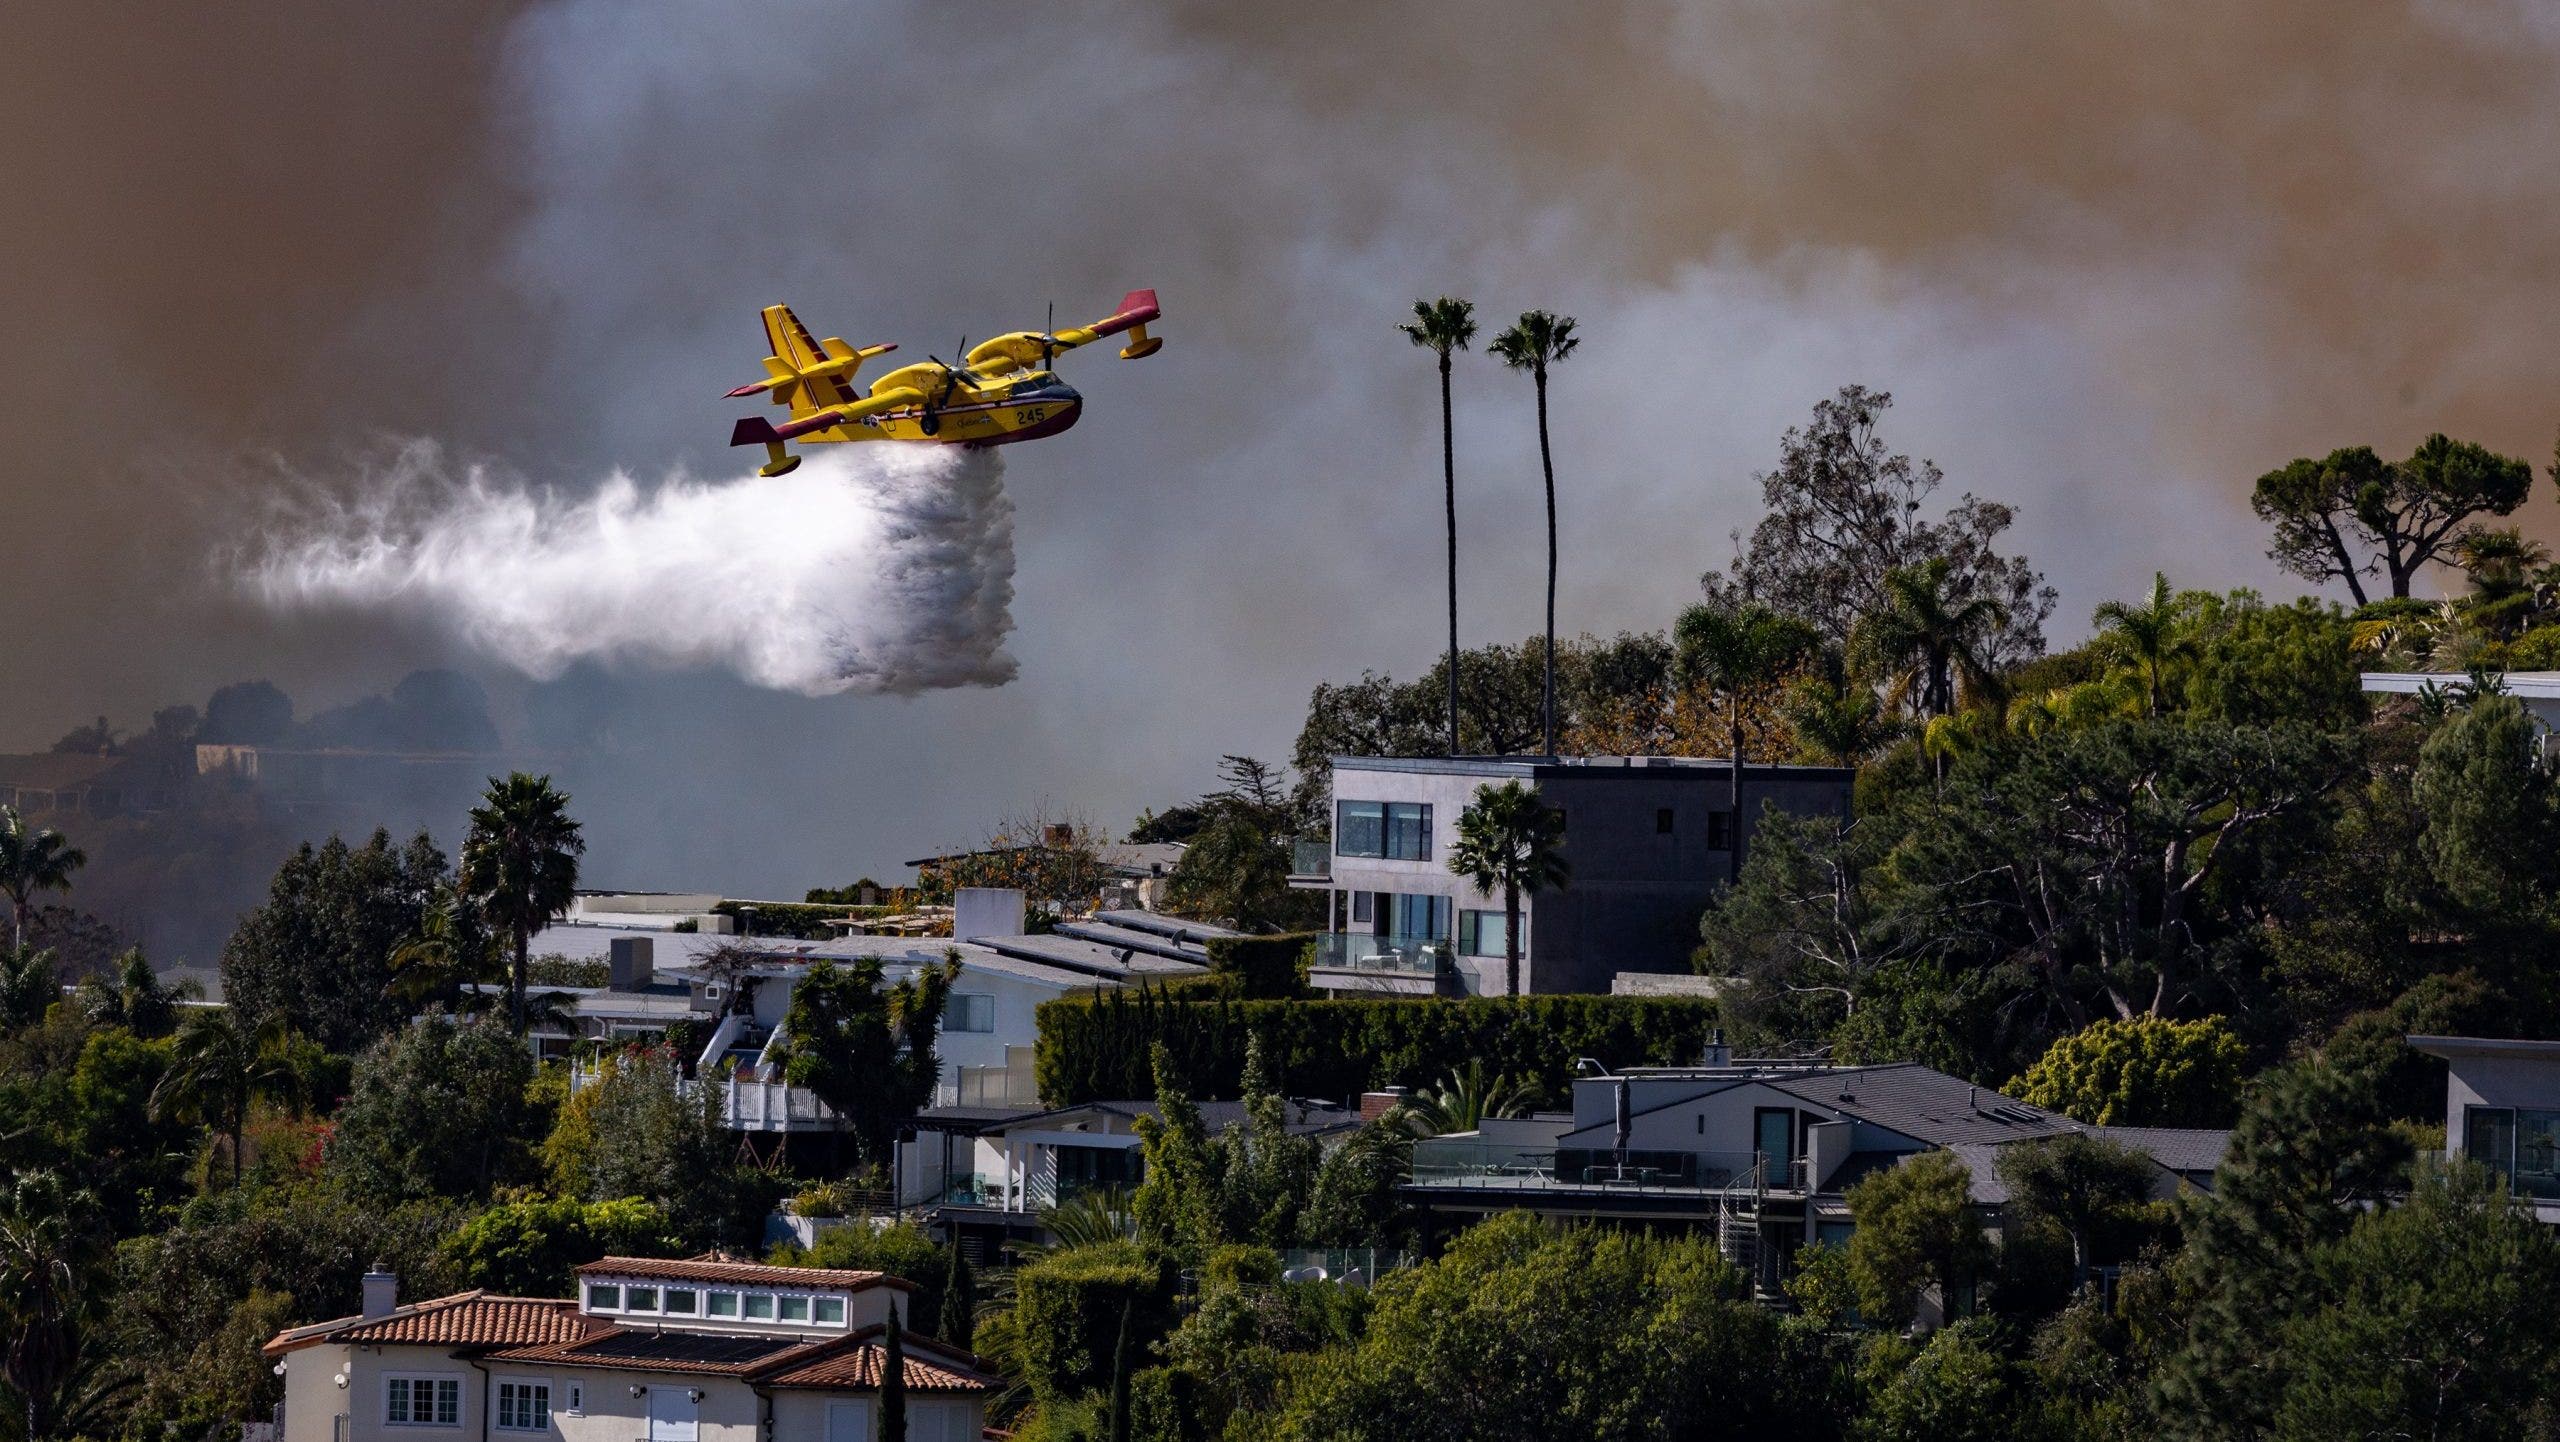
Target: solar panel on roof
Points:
x,y
704,1347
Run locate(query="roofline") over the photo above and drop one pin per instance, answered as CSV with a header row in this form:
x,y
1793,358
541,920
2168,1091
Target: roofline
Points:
x,y
638,1267
2525,685
1554,767
2519,1048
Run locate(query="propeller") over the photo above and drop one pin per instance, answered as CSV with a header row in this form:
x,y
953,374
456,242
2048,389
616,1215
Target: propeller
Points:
x,y
1049,338
931,423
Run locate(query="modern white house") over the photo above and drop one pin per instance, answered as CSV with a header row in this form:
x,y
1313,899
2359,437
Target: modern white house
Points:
x,y
703,1350
2502,1110
983,1174
1757,1152
1648,838
2538,690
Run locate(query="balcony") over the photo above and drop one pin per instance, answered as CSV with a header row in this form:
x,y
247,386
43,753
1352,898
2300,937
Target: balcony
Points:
x,y
1465,1163
1358,961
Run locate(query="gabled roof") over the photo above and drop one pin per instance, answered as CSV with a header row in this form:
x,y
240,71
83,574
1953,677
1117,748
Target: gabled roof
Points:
x,y
2180,1149
466,1319
714,1268
1922,1103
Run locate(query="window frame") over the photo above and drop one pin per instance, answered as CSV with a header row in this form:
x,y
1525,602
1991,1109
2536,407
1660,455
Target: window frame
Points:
x,y
596,1306
692,1301
783,1302
1407,823
818,1311
747,1307
631,1300
1472,924
408,1382
711,1300
1372,824
956,1013
539,1388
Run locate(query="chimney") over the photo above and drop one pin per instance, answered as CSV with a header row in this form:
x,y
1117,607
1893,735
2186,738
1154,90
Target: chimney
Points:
x,y
1058,834
381,1292
1718,1054
630,968
986,911
1374,1105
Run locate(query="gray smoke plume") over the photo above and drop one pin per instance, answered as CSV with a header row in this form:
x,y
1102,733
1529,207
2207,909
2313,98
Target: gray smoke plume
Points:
x,y
878,568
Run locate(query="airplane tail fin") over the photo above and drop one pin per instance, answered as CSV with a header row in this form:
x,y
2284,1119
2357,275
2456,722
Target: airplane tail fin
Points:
x,y
803,372
1136,309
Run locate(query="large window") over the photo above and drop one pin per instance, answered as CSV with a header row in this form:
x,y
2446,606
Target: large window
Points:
x,y
603,1298
1423,916
1480,933
1388,830
524,1406
970,1011
2520,1144
409,1401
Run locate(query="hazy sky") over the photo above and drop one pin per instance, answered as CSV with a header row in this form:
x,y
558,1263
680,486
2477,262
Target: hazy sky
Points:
x,y
2113,261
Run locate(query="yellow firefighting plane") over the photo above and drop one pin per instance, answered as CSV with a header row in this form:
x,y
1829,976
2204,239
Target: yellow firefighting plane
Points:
x,y
1002,391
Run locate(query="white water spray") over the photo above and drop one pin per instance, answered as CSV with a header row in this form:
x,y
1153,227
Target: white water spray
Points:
x,y
885,567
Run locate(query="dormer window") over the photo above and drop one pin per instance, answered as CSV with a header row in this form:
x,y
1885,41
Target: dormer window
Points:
x,y
640,1299
759,1306
795,1309
720,1304
680,1301
830,1311
603,1297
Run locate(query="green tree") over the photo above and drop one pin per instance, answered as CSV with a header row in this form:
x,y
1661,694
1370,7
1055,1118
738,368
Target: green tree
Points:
x,y
1463,1099
1176,1204
1267,1173
2434,1321
1509,840
1744,655
868,1053
636,1131
520,864
2081,1184
49,1245
1236,865
2143,1071
1082,1312
1837,720
1537,342
1441,327
1929,640
135,998
958,1322
2150,637
1959,1388
436,1110
2492,814
219,1067
29,986
32,862
1915,1228
1356,1199
893,1378
1526,1331
532,1247
318,951
2350,514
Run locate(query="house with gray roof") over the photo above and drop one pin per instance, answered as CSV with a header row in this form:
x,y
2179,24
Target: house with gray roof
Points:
x,y
1759,1152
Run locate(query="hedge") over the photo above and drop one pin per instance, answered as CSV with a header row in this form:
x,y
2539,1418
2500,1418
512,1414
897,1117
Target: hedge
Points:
x,y
1068,1306
1096,1048
1261,967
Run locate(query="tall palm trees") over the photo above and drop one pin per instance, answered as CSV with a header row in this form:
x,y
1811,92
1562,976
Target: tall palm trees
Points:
x,y
1929,639
520,863
1538,341
1508,839
1442,326
218,1067
32,862
49,1242
2150,635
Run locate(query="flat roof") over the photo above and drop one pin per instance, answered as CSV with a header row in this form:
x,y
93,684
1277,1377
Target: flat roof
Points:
x,y
2528,685
1593,766
2517,1048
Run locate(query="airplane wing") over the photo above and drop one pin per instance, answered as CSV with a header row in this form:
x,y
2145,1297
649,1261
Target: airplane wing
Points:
x,y
1027,349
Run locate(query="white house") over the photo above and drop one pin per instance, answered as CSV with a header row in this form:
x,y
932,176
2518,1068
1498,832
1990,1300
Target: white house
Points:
x,y
2502,1110
704,1350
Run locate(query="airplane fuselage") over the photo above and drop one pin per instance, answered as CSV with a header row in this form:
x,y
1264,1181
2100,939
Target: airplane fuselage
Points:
x,y
978,412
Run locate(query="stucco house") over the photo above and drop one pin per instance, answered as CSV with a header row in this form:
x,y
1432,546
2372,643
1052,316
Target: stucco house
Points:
x,y
2502,1110
701,1350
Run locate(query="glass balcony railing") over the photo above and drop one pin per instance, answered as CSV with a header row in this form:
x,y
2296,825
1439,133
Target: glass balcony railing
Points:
x,y
1311,858
1388,955
1467,1162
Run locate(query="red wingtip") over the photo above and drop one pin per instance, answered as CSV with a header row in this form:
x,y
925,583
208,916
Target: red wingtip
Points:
x,y
748,389
1138,306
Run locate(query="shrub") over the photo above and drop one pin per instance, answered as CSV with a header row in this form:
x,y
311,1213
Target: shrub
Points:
x,y
2144,1072
903,1251
1261,967
1069,1307
530,1248
1097,1048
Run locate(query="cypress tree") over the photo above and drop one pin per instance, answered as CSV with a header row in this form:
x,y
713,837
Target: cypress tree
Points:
x,y
893,1380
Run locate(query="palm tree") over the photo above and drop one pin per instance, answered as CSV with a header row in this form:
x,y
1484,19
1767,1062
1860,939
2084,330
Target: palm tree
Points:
x,y
1928,639
48,1245
431,967
520,863
1461,1103
1838,719
136,999
32,862
1541,340
1508,838
219,1068
2150,636
1442,326
1744,654
28,985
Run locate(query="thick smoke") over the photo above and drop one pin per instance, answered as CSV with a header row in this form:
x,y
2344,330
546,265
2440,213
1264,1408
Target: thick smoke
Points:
x,y
881,568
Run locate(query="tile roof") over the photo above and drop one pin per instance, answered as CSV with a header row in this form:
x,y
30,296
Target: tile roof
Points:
x,y
466,1319
851,1363
744,1274
2180,1149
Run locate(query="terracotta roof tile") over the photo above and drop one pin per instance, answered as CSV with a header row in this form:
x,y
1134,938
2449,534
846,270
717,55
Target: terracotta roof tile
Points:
x,y
859,1368
836,1363
743,1274
467,1319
